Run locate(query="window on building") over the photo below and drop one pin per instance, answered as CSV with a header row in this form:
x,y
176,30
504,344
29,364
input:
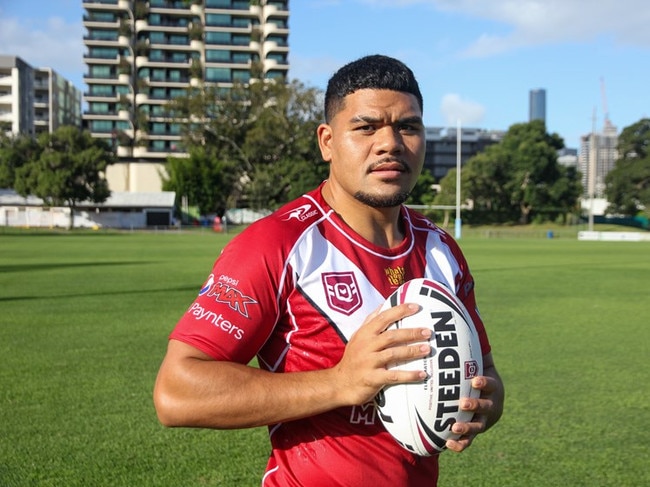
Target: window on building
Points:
x,y
279,40
218,38
100,90
157,37
99,71
103,126
241,75
179,40
156,55
241,40
216,75
279,57
218,3
241,57
241,22
217,56
177,92
98,108
218,20
277,75
158,145
103,52
102,35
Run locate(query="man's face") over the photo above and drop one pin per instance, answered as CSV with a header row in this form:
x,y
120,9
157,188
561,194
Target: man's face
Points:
x,y
375,146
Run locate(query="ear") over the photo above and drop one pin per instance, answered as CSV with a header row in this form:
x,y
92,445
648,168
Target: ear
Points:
x,y
324,135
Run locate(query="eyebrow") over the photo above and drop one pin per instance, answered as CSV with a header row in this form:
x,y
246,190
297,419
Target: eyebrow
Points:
x,y
416,120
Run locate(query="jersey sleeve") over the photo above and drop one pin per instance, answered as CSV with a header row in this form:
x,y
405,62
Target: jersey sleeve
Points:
x,y
237,307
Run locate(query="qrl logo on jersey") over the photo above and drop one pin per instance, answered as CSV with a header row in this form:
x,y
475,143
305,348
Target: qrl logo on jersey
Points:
x,y
342,292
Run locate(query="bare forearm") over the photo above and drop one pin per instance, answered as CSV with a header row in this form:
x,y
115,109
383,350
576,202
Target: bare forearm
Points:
x,y
207,393
195,390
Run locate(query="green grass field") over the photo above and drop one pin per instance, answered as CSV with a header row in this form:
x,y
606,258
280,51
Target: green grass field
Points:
x,y
84,319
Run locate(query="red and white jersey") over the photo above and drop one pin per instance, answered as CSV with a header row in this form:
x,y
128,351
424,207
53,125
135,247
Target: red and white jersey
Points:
x,y
292,289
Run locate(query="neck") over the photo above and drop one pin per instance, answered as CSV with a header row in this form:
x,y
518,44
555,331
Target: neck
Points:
x,y
380,226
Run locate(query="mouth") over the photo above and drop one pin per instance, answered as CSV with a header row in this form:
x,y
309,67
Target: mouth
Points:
x,y
392,168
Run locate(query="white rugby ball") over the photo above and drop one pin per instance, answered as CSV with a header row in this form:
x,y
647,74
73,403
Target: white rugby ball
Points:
x,y
420,415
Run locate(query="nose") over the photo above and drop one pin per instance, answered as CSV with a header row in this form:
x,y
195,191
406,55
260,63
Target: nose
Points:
x,y
389,140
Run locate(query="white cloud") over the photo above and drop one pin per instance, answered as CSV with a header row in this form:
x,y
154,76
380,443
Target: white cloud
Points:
x,y
523,23
537,22
54,43
455,109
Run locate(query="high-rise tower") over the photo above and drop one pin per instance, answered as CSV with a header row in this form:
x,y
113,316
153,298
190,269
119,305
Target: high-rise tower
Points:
x,y
141,54
537,105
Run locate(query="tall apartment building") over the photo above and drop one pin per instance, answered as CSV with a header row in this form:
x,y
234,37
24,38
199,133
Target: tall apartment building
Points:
x,y
56,101
16,96
142,54
35,100
598,155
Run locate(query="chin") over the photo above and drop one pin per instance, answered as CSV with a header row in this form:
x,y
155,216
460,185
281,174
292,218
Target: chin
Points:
x,y
382,200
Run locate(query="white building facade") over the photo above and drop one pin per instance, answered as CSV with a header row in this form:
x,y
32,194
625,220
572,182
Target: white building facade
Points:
x,y
35,100
598,155
16,96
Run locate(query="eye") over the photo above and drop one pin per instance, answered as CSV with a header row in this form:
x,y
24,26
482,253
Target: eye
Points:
x,y
408,128
366,128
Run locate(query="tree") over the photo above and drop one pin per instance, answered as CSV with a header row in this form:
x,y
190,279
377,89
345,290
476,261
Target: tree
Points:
x,y
15,152
201,177
446,195
628,184
520,178
261,134
69,170
423,193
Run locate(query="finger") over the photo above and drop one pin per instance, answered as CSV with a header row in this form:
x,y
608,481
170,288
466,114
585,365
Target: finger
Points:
x,y
460,444
387,317
471,428
484,383
395,376
395,354
476,405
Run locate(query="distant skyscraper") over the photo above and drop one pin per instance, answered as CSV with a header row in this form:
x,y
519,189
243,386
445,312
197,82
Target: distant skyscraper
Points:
x,y
537,105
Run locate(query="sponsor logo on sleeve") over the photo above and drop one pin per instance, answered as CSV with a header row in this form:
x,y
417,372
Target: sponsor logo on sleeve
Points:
x,y
300,213
216,319
342,292
224,291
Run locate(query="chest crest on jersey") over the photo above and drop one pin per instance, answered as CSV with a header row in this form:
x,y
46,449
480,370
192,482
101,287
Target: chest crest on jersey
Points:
x,y
342,292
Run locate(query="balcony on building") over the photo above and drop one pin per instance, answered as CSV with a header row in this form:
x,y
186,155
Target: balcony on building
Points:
x,y
100,4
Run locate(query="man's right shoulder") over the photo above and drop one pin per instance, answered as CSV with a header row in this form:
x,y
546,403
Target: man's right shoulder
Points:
x,y
290,220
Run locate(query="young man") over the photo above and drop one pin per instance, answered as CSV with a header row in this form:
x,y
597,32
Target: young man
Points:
x,y
300,290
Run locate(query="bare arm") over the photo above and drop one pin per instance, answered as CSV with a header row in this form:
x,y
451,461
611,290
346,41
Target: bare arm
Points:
x,y
192,389
488,407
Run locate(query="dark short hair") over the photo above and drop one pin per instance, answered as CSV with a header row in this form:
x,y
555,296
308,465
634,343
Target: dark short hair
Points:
x,y
370,72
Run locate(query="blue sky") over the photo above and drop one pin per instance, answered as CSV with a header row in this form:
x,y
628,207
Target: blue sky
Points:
x,y
476,60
